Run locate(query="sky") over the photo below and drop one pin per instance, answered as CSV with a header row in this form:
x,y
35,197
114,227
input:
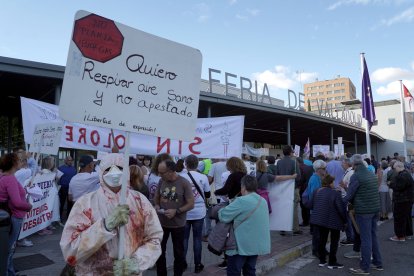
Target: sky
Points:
x,y
282,43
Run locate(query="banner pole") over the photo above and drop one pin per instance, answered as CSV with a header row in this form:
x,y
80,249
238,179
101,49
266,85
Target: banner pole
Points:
x,y
122,199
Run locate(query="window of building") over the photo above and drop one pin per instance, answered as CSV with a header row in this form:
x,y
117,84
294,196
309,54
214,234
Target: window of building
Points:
x,y
391,121
321,93
342,84
309,88
320,86
328,92
338,98
337,91
329,99
313,94
328,85
336,84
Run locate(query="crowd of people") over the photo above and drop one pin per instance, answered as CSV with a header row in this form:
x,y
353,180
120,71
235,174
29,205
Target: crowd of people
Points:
x,y
167,196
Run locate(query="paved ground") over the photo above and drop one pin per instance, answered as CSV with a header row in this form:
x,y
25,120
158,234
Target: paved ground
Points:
x,y
284,249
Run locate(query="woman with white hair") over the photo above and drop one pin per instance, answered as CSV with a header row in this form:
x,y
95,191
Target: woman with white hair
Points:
x,y
315,182
402,198
90,238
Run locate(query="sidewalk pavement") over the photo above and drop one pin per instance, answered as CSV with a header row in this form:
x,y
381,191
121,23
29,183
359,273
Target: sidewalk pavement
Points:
x,y
45,257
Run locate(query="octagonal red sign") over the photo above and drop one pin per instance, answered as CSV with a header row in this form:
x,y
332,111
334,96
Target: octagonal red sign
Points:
x,y
98,38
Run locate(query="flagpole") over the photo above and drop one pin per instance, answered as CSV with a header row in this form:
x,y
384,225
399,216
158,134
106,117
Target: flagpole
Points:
x,y
368,140
403,121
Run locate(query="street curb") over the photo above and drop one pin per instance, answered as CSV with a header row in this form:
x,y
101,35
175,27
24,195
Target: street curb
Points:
x,y
279,260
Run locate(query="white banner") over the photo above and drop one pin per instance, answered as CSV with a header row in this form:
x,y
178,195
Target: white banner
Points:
x,y
281,196
45,210
215,137
122,78
46,138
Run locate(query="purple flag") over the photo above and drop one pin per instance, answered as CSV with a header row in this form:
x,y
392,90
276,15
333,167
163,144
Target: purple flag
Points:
x,y
368,111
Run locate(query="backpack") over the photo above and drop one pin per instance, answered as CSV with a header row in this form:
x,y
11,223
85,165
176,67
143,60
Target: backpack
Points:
x,y
306,201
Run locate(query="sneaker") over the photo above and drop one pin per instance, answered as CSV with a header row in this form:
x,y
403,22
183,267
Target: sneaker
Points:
x,y
335,266
352,255
322,264
223,264
198,268
358,271
297,233
377,267
346,242
397,239
24,243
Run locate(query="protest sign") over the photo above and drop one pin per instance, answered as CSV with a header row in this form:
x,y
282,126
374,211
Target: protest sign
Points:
x,y
297,151
339,150
45,209
46,138
320,148
121,78
214,137
281,195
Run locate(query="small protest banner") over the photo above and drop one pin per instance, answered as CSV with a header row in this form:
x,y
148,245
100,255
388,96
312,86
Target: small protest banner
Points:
x,y
121,78
324,149
297,150
44,210
217,137
46,138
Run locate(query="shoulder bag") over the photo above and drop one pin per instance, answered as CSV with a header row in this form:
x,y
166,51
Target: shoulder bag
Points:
x,y
222,238
198,189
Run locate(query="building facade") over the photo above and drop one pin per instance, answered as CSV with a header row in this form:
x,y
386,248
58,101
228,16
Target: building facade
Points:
x,y
328,91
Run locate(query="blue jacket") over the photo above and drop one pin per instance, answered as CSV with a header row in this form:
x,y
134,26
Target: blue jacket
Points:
x,y
328,209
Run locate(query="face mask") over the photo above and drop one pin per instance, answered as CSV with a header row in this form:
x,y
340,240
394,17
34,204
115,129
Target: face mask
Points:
x,y
113,177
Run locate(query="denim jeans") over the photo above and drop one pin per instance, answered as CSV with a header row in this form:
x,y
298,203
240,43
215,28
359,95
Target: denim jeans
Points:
x,y
4,247
197,226
367,224
16,225
177,236
238,263
349,230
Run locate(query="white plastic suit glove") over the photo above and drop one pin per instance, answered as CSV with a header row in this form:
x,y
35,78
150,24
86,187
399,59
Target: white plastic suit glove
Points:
x,y
126,267
119,216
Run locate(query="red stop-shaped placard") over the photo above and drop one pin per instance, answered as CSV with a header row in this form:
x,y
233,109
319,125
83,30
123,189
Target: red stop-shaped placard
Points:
x,y
98,38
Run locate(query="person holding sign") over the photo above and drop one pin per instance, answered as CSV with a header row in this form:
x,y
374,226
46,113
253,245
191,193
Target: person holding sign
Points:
x,y
12,199
90,239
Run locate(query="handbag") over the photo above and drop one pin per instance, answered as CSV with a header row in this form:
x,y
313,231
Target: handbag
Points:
x,y
222,237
